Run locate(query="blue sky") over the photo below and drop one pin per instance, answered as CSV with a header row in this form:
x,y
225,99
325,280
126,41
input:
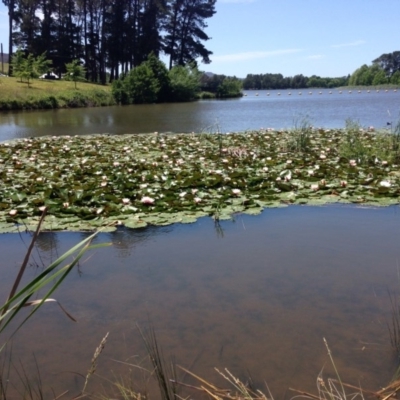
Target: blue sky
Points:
x,y
321,37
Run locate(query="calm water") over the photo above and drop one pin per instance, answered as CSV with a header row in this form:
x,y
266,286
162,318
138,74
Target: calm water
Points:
x,y
260,297
250,112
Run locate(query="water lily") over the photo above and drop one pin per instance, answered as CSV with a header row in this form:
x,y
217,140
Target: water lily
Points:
x,y
385,184
182,194
103,184
236,192
126,201
147,200
66,205
314,187
13,212
116,164
343,183
197,200
353,163
322,156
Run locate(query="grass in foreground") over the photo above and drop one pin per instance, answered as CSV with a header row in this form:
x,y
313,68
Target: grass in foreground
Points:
x,y
49,94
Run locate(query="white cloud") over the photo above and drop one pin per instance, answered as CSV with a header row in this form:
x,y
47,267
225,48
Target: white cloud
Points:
x,y
355,43
253,55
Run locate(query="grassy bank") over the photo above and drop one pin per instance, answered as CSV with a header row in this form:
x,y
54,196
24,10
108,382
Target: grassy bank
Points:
x,y
160,179
51,94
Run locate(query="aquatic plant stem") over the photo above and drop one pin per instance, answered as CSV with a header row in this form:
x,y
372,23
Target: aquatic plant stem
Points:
x,y
25,262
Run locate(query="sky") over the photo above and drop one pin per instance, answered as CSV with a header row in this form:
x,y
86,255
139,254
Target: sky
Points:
x,y
328,38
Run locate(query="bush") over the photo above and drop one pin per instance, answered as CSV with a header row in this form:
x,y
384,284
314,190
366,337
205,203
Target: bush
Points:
x,y
185,83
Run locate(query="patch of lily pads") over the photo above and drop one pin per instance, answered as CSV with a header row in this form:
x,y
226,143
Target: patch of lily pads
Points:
x,y
88,182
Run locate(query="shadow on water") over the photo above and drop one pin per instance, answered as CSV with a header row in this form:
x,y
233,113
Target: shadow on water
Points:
x,y
257,294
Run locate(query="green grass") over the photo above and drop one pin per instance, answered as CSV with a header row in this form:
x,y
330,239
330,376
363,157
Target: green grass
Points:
x,y
49,94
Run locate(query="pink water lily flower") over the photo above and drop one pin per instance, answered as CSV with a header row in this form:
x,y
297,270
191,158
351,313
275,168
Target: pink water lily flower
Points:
x,y
147,200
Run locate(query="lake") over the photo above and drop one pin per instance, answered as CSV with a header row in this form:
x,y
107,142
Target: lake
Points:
x,y
277,110
256,294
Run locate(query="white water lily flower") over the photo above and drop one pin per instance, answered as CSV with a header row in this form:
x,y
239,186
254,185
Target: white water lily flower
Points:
x,y
194,191
353,163
288,176
147,200
42,208
384,162
104,177
13,212
142,160
322,156
314,187
40,179
103,184
66,205
143,186
265,169
385,184
288,161
236,192
126,201
343,183
310,172
182,194
197,200
116,164
164,156
201,158
269,158
225,160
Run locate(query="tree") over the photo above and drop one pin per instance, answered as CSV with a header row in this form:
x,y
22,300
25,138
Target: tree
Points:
x,y
230,87
160,73
75,72
184,29
28,67
17,63
389,62
185,82
142,85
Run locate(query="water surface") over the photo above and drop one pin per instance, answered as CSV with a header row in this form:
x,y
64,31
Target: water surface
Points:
x,y
257,296
277,110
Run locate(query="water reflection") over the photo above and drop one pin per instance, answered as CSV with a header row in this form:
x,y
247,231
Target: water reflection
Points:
x,y
260,297
250,112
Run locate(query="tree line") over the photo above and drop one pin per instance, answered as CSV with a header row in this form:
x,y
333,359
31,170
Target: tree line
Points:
x,y
278,81
383,70
111,37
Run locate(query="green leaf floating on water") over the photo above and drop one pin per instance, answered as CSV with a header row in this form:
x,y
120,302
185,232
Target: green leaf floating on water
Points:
x,y
161,179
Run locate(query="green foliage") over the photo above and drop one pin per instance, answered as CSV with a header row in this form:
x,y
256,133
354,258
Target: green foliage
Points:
x,y
395,78
185,83
230,87
278,81
389,62
75,72
29,67
365,75
160,73
142,85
